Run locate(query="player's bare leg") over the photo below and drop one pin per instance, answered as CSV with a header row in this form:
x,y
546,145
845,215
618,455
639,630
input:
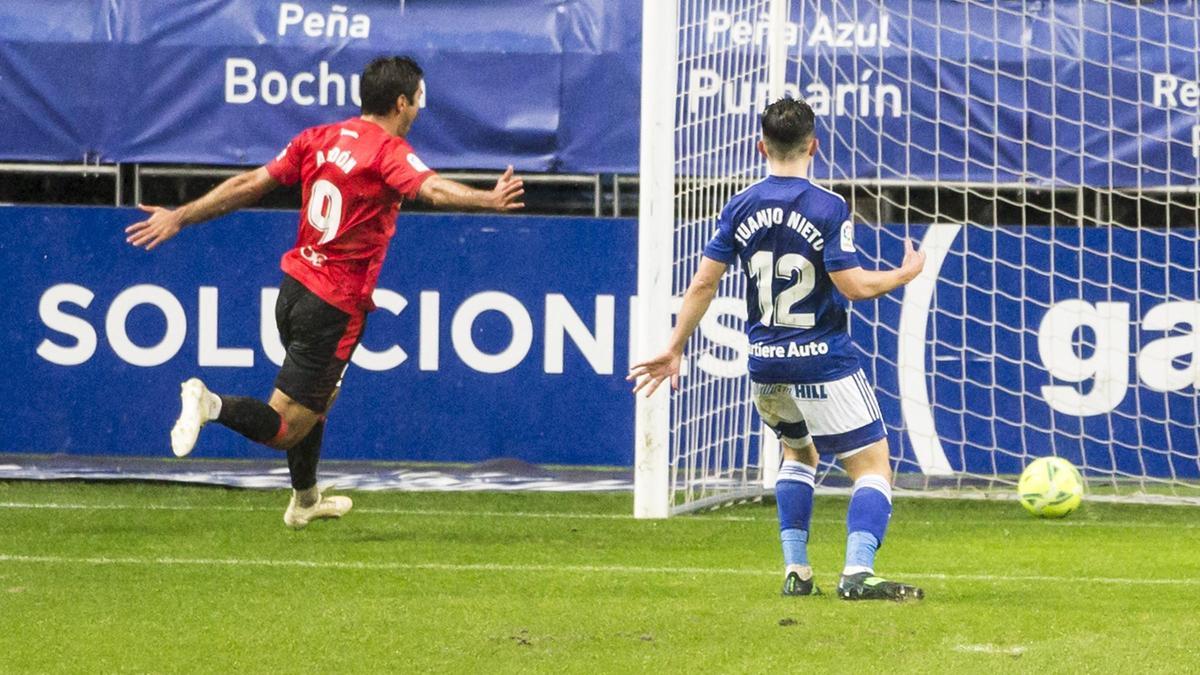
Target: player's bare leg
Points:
x,y
794,498
866,523
280,423
873,459
307,502
297,420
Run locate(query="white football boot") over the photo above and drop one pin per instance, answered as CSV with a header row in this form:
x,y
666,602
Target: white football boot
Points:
x,y
297,517
199,406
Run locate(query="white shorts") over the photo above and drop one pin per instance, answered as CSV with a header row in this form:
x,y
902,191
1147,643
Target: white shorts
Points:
x,y
839,417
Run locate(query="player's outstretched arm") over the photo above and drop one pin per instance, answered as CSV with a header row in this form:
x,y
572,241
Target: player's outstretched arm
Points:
x,y
649,374
448,194
241,190
859,284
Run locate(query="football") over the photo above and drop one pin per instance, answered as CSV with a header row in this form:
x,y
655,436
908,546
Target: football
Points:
x,y
1050,487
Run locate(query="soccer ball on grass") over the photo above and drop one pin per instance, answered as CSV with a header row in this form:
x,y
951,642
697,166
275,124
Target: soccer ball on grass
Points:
x,y
1050,487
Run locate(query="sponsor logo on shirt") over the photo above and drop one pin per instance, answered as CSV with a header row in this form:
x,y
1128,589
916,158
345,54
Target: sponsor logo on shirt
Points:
x,y
788,351
313,257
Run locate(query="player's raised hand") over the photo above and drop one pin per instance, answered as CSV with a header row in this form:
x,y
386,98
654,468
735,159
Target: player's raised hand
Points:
x,y
159,227
914,261
506,196
648,375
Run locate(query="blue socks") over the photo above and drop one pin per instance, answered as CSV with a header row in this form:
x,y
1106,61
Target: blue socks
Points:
x,y
866,519
866,522
794,496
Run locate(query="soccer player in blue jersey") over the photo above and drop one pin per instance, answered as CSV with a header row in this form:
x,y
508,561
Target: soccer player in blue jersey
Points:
x,y
795,242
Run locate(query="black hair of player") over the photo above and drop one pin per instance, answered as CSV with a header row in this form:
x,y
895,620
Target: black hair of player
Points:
x,y
386,79
787,126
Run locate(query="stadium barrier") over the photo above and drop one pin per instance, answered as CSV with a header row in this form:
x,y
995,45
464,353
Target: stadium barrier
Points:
x,y
509,336
495,336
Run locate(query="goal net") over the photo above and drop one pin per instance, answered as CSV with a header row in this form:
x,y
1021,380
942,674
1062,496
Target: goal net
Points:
x,y
1044,155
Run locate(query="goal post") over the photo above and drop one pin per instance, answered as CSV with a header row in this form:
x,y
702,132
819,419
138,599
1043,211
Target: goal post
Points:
x,y
1044,155
656,226
701,445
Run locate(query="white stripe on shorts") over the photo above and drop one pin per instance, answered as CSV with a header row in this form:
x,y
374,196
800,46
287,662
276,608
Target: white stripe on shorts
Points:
x,y
868,394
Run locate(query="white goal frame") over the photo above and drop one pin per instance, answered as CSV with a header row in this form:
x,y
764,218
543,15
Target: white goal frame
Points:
x,y
655,306
659,481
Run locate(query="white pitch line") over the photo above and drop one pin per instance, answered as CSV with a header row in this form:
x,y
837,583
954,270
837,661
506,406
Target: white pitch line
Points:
x,y
990,578
124,507
380,566
574,569
249,509
397,512
700,517
1016,650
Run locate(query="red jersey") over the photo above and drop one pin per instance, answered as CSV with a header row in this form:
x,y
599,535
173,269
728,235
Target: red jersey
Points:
x,y
356,176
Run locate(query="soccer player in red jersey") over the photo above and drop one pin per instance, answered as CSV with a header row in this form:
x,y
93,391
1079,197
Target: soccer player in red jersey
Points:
x,y
355,173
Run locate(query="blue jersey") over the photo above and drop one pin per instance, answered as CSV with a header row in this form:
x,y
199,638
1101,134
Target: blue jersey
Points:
x,y
789,235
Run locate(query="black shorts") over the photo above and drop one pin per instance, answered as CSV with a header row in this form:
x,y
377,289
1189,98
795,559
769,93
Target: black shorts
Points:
x,y
319,339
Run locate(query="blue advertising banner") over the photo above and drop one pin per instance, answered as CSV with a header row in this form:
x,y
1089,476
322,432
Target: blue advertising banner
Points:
x,y
1079,342
547,85
1096,93
494,337
1103,94
509,337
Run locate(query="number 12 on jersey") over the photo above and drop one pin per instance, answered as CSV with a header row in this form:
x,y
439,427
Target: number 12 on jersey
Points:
x,y
777,310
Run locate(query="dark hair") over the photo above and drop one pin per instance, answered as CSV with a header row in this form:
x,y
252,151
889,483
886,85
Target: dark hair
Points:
x,y
384,80
787,125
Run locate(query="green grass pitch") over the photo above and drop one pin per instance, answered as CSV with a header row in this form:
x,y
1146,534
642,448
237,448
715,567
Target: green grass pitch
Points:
x,y
152,578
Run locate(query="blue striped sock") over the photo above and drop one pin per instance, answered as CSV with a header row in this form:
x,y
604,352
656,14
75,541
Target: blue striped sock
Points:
x,y
866,522
794,497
